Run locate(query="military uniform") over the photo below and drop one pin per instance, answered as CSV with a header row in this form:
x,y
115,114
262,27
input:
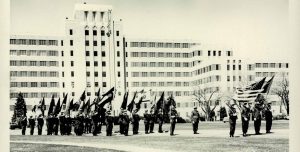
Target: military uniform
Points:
x,y
257,118
49,121
135,123
160,119
109,120
120,122
31,124
232,120
62,124
195,117
87,124
95,120
125,123
151,121
55,125
146,121
23,124
245,115
268,118
173,119
78,126
102,118
40,125
68,120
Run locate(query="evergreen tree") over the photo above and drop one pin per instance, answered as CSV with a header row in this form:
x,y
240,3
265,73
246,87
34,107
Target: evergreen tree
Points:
x,y
20,108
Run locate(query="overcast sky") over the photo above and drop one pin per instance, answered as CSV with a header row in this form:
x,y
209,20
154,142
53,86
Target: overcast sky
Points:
x,y
253,28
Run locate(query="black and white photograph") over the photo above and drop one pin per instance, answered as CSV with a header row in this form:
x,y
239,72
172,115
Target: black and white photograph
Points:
x,y
149,75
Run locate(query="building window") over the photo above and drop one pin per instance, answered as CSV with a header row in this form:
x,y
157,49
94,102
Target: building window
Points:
x,y
228,78
62,43
95,63
62,53
88,74
228,67
118,63
219,53
71,53
208,53
103,74
71,42
240,67
119,74
95,53
103,53
102,33
87,53
214,53
95,43
118,53
96,84
233,67
96,74
72,73
102,43
87,43
103,64
104,84
117,33
71,32
118,43
87,63
86,32
72,63
94,32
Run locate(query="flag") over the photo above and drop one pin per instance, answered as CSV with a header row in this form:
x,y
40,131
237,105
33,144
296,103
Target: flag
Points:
x,y
109,92
125,99
159,103
132,103
64,102
57,107
82,97
43,106
267,86
33,108
81,106
86,108
68,107
250,92
52,104
98,93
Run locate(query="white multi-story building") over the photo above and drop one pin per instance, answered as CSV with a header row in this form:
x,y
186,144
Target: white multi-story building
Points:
x,y
34,68
94,54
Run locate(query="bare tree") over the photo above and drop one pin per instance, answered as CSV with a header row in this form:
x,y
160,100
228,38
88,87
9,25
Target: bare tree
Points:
x,y
282,91
207,98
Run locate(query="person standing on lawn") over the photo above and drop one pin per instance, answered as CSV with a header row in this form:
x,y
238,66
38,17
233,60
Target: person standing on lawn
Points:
x,y
232,119
31,124
135,122
23,124
146,121
160,119
268,117
109,123
245,115
40,121
195,117
151,120
173,119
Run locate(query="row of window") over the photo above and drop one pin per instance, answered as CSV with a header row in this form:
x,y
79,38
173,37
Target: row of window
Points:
x,y
271,65
95,43
160,64
206,90
96,74
234,67
234,78
160,84
88,63
34,74
35,94
35,84
160,54
265,74
160,45
94,32
33,63
160,74
33,42
34,52
207,80
207,69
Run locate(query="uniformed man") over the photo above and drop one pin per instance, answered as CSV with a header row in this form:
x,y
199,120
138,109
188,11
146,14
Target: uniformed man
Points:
x,y
40,121
62,123
195,117
78,126
23,123
160,119
146,121
151,120
49,121
95,120
232,119
125,122
173,119
109,123
87,124
102,113
120,121
68,124
55,124
31,124
135,122
268,117
257,117
245,115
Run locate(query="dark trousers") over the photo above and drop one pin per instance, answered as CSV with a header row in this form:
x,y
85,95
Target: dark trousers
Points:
x,y
121,128
195,126
23,130
31,130
62,129
55,129
95,128
126,127
257,124
40,129
135,128
146,127
245,125
109,127
100,127
49,129
232,128
268,125
172,128
160,126
151,126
